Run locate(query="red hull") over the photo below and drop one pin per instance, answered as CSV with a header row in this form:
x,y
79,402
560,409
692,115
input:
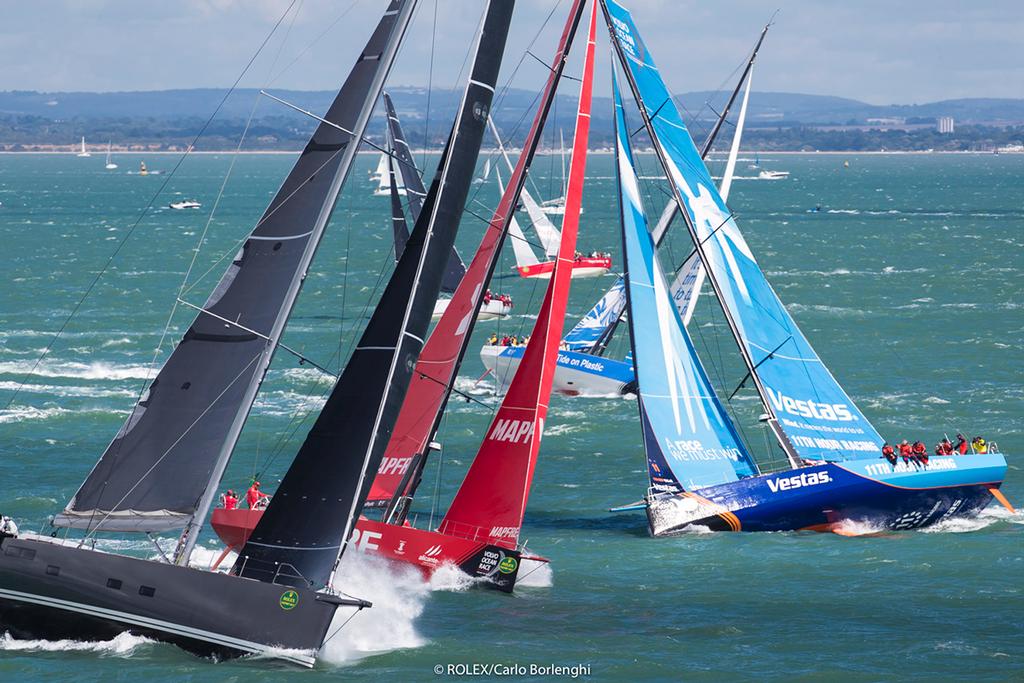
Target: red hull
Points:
x,y
427,550
583,267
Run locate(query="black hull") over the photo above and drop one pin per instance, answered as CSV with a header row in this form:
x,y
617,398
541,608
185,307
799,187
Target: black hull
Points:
x,y
50,591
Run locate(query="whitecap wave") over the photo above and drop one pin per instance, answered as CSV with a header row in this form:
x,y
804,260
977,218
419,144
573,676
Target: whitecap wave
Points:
x,y
534,574
95,370
122,644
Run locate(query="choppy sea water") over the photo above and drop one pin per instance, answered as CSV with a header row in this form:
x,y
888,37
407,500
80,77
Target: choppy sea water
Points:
x,y
908,281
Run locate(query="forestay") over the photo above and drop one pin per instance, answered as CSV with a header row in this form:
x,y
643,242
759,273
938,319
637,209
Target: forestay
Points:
x,y
689,441
817,416
158,472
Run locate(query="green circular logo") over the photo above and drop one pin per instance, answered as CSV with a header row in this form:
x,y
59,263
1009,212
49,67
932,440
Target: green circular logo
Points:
x,y
289,599
508,565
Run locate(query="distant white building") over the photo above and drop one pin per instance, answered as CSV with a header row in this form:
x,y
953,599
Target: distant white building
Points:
x,y
945,124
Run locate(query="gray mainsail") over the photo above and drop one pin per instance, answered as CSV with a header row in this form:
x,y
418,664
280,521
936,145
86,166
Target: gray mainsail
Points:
x,y
161,469
415,193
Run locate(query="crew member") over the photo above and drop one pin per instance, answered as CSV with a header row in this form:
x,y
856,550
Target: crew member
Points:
x,y
946,445
230,500
905,452
254,495
493,339
979,445
961,444
889,454
920,452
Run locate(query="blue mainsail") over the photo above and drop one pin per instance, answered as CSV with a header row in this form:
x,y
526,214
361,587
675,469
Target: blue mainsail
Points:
x,y
595,324
817,416
689,440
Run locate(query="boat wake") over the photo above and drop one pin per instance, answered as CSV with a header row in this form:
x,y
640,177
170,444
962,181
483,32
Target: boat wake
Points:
x,y
123,644
993,514
398,595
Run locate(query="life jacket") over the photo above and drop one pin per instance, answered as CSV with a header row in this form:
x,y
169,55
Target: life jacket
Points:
x,y
919,449
887,451
230,502
905,449
962,447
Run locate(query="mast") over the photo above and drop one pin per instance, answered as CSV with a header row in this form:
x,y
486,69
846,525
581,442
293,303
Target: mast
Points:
x,y
402,10
301,536
697,241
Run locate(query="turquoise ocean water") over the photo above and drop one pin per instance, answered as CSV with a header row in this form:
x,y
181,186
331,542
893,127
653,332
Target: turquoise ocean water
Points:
x,y
908,281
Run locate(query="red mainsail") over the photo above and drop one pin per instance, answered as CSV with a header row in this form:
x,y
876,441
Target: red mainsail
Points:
x,y
439,361
492,499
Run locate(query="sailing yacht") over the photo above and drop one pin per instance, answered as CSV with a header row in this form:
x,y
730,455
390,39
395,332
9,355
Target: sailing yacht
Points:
x,y
162,469
84,152
480,532
528,265
110,165
381,169
700,470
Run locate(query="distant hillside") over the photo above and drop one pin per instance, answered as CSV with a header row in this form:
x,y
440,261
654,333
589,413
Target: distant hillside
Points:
x,y
169,118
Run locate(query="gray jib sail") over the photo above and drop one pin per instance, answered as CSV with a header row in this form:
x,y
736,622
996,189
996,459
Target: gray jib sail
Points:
x,y
160,469
299,538
414,194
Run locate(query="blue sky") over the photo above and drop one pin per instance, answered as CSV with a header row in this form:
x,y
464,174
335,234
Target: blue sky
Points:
x,y
877,51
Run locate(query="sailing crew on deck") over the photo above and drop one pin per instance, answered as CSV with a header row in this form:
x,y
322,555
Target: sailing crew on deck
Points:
x,y
253,496
889,454
493,339
946,446
961,444
979,445
920,452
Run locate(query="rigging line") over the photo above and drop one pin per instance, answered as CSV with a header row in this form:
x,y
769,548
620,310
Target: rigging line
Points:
x,y
310,45
363,139
750,372
451,388
302,359
171,447
703,241
142,214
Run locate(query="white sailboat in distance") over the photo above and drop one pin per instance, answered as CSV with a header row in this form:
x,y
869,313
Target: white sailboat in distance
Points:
x,y
84,152
110,166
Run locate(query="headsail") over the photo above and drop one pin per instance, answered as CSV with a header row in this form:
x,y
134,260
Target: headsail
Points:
x,y
302,533
689,440
546,231
160,470
594,327
492,499
817,417
439,361
415,193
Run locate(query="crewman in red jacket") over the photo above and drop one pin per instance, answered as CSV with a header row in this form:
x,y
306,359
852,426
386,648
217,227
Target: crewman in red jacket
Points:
x,y
920,452
889,454
905,452
254,495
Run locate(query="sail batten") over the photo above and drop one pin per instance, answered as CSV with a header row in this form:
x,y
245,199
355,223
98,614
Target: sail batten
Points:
x,y
174,446
801,396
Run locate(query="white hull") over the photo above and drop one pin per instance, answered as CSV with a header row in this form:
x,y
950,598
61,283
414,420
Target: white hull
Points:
x,y
576,273
568,381
488,311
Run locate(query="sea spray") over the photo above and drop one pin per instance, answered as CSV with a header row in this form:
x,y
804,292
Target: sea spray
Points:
x,y
398,594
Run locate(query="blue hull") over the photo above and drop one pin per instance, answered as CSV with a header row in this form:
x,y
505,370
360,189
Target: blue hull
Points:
x,y
824,497
575,374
